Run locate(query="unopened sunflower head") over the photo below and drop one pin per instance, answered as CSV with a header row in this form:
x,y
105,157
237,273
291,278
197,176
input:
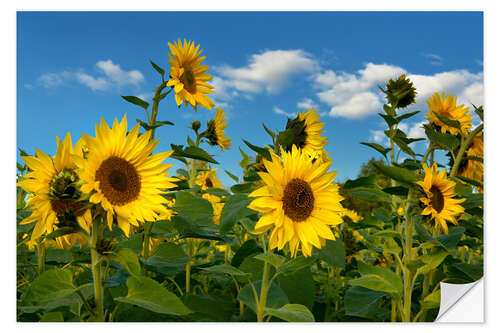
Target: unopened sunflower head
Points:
x,y
299,202
438,199
123,176
54,188
215,133
188,76
447,107
403,89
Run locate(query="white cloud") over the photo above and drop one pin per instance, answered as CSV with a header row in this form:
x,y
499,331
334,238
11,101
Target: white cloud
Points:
x,y
269,71
378,136
50,80
417,130
112,76
146,96
356,95
434,59
93,83
279,111
307,104
114,73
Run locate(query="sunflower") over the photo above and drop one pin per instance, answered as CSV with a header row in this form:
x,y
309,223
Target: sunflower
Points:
x,y
54,197
215,131
208,179
438,193
216,206
447,106
306,131
188,76
473,169
123,175
299,201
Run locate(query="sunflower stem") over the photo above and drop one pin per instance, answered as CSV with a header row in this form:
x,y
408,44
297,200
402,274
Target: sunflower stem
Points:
x,y
188,277
264,286
41,258
463,148
96,269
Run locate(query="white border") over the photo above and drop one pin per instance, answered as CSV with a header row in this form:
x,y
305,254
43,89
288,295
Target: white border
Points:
x,y
8,105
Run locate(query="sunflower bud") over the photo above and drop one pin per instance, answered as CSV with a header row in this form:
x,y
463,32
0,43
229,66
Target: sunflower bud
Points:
x,y
195,125
64,185
403,90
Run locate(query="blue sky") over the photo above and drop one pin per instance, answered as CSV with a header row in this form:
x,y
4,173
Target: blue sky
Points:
x,y
73,67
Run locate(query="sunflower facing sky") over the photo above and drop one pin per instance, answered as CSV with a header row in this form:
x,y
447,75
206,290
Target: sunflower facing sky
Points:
x,y
188,76
447,106
307,130
121,173
53,187
208,179
438,198
299,202
215,130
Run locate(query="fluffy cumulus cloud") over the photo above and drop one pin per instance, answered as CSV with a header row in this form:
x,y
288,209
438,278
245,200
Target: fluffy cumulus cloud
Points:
x,y
356,95
282,112
306,103
268,71
109,75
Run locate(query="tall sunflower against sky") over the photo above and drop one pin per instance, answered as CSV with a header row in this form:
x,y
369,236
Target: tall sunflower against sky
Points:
x,y
447,106
215,131
299,202
438,198
188,76
122,174
52,185
306,131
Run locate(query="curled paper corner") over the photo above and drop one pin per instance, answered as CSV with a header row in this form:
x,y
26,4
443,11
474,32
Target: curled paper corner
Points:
x,y
462,303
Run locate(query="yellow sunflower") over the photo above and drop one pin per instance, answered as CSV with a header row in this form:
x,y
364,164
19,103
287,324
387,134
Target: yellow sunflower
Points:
x,y
215,131
52,185
208,179
188,76
470,168
447,106
299,201
307,130
121,173
216,206
438,198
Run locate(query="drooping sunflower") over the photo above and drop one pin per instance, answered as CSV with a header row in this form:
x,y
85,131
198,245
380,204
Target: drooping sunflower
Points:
x,y
215,131
54,197
438,198
470,168
299,201
187,75
123,176
447,106
208,179
307,130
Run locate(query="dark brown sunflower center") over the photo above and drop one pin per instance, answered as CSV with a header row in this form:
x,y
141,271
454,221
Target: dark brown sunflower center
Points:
x,y
437,199
189,80
120,182
208,183
298,200
63,205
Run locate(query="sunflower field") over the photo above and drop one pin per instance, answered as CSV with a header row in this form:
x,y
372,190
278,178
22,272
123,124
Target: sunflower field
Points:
x,y
107,231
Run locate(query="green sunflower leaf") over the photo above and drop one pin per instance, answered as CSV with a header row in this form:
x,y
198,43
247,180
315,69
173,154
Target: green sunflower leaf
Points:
x,y
136,101
370,181
149,294
443,140
377,147
234,209
400,174
291,313
192,152
262,151
157,68
448,121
